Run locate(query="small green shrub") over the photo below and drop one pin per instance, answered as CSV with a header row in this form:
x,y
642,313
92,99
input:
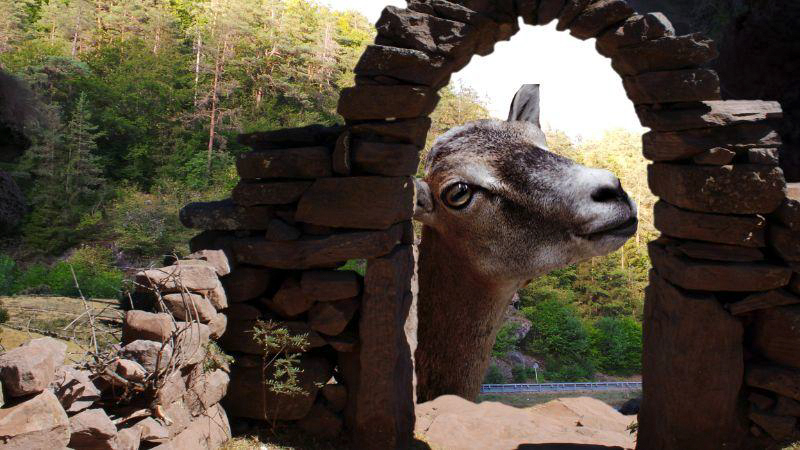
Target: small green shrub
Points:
x,y
356,265
506,341
561,339
494,376
3,315
522,374
617,345
7,269
93,268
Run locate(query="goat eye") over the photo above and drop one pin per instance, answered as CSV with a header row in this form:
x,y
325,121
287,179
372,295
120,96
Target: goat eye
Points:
x,y
457,196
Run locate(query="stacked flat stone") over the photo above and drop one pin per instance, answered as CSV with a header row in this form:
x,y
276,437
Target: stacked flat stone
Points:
x,y
311,199
716,308
292,221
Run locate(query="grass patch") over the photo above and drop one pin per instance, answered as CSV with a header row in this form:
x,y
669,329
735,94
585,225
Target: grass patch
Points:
x,y
11,339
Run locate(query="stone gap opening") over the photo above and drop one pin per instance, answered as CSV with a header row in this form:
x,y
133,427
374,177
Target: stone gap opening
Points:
x,y
730,263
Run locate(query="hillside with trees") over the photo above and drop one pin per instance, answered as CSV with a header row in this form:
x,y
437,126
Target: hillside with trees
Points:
x,y
138,105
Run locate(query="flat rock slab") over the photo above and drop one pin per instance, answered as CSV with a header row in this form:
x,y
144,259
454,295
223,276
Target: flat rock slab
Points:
x,y
718,252
30,368
598,16
74,389
412,131
304,162
636,30
778,427
150,354
763,300
225,216
776,334
786,242
249,398
316,252
308,136
188,305
702,275
717,156
781,380
387,102
290,300
690,85
215,258
327,285
269,193
358,202
678,320
452,422
748,231
709,114
92,429
207,432
667,53
571,10
404,64
392,160
147,326
739,189
38,423
677,145
331,318
246,283
427,33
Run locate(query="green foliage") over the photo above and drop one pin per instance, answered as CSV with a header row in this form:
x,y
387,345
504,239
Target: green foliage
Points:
x,y
146,226
506,340
356,265
560,338
522,374
617,345
494,376
281,360
92,267
7,269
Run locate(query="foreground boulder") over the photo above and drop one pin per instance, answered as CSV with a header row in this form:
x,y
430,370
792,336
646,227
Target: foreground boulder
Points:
x,y
30,368
74,389
92,429
39,422
452,422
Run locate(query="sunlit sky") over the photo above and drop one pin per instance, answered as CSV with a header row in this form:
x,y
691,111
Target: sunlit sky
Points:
x,y
581,94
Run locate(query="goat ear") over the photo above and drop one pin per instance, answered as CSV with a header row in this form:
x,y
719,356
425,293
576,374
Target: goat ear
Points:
x,y
525,107
423,208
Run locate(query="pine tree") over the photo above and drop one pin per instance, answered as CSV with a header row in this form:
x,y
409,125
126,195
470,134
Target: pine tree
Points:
x,y
82,176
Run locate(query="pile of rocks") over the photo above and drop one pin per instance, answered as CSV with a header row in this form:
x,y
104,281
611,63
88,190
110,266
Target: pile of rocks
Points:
x,y
160,389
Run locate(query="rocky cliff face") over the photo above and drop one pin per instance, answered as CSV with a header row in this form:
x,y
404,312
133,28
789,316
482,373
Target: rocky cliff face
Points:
x,y
759,55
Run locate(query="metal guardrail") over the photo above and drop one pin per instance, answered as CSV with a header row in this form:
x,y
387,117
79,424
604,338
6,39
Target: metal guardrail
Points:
x,y
559,387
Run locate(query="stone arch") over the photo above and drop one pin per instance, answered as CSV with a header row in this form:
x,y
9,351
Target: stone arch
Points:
x,y
325,195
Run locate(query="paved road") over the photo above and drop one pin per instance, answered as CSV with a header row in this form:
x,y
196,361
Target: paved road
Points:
x,y
559,387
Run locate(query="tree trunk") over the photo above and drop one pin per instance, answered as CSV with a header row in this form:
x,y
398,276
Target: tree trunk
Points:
x,y
197,65
218,66
75,43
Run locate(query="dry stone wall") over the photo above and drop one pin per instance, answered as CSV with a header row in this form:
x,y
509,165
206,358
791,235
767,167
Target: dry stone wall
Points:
x,y
720,359
160,388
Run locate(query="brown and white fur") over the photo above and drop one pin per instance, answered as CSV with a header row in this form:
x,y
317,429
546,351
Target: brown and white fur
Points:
x,y
498,210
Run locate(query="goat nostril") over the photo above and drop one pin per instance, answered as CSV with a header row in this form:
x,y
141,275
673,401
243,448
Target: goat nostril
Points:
x,y
607,194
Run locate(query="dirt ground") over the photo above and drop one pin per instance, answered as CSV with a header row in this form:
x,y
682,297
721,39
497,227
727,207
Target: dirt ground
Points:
x,y
60,317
